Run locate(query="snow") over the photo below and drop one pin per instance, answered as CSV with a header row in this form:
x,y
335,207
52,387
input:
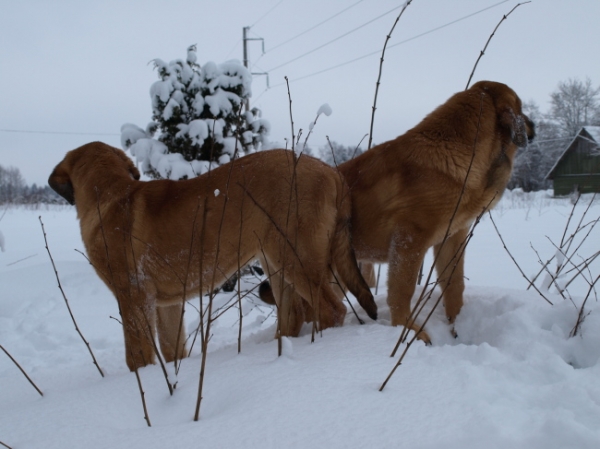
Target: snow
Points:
x,y
324,109
217,89
513,378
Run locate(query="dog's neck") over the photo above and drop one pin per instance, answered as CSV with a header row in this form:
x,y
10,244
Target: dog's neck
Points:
x,y
94,191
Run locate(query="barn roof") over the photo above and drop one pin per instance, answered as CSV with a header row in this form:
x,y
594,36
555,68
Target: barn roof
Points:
x,y
593,131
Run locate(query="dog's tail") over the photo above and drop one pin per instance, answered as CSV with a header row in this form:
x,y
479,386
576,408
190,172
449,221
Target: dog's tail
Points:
x,y
265,292
343,258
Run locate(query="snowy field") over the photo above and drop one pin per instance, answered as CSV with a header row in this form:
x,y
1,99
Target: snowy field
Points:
x,y
513,378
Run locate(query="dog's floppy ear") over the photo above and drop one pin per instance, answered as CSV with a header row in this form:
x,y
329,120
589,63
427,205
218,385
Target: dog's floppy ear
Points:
x,y
61,184
133,171
515,125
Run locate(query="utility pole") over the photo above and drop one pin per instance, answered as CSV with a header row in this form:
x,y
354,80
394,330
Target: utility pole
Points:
x,y
245,40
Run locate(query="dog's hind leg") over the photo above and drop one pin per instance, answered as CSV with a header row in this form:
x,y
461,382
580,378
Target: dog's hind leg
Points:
x,y
290,307
367,270
171,332
139,323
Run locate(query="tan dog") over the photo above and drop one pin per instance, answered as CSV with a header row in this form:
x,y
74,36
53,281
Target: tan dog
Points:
x,y
405,191
154,243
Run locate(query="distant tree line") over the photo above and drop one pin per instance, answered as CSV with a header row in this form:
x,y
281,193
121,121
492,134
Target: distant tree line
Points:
x,y
14,190
574,104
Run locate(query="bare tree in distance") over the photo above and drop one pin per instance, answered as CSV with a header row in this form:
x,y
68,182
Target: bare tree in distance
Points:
x,y
574,104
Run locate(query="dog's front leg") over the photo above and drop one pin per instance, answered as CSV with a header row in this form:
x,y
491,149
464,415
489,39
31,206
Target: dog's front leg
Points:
x,y
405,258
449,265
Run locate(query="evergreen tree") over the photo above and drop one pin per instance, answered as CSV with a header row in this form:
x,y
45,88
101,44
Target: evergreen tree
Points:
x,y
198,113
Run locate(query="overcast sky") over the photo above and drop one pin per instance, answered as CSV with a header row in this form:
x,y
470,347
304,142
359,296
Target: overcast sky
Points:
x,y
81,66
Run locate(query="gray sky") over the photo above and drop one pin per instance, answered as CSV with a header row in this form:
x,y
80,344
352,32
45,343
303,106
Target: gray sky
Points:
x,y
82,66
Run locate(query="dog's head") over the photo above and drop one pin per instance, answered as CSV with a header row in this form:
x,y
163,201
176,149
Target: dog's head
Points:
x,y
511,119
86,162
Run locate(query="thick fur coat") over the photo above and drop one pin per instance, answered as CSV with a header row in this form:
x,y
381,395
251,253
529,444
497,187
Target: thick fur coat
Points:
x,y
426,187
160,242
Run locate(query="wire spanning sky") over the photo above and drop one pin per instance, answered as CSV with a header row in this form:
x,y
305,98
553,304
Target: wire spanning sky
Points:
x,y
73,71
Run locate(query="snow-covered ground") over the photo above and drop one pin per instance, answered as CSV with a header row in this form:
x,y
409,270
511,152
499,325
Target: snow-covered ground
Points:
x,y
512,379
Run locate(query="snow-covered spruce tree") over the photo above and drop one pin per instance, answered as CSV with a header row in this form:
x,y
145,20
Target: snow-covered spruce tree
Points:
x,y
198,115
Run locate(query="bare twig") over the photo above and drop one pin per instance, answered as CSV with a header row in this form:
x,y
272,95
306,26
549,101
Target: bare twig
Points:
x,y
67,301
565,245
291,117
184,295
515,262
335,164
112,281
429,293
358,146
5,445
142,394
209,317
345,296
415,310
553,279
489,39
22,370
387,38
581,315
239,277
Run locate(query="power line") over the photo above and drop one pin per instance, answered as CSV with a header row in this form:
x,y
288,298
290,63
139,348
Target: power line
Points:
x,y
21,131
233,49
267,13
336,39
315,26
394,45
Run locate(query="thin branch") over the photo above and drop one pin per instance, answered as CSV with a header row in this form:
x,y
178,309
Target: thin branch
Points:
x,y
412,316
67,301
22,370
291,117
142,394
206,335
459,254
553,279
387,38
358,146
581,315
489,39
345,296
515,262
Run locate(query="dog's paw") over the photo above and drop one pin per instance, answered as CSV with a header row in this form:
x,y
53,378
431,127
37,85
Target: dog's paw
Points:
x,y
424,337
453,332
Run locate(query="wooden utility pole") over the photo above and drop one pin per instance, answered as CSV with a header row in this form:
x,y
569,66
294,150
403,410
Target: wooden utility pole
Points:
x,y
245,40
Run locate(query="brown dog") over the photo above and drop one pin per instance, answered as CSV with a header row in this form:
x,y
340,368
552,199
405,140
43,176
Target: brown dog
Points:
x,y
447,169
157,243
